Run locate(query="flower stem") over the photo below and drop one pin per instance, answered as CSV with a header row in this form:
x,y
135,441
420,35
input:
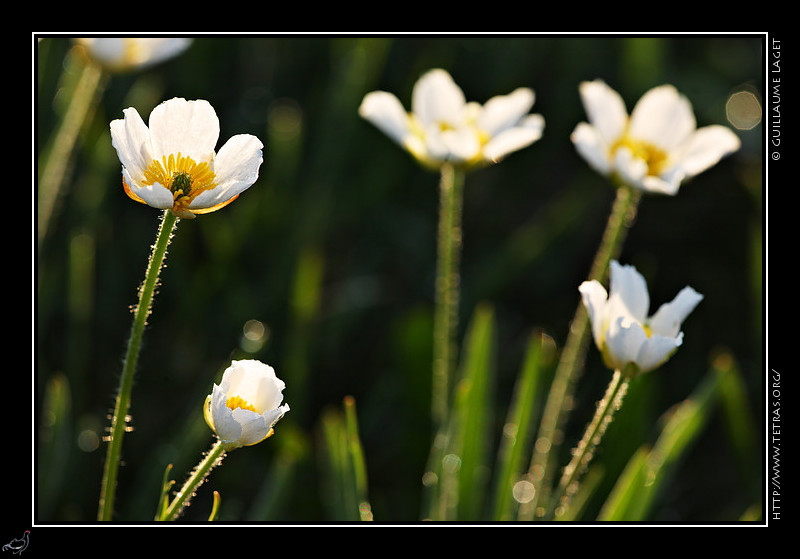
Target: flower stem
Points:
x,y
211,459
84,95
445,324
120,418
557,405
584,452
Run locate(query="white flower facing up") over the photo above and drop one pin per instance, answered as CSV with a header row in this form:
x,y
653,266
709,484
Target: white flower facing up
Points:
x,y
172,164
246,405
655,148
623,332
443,127
120,54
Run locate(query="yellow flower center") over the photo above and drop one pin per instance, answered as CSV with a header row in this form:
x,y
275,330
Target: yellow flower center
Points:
x,y
654,157
444,126
184,178
234,402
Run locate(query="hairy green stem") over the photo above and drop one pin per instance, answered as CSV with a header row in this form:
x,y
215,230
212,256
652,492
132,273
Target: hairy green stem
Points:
x,y
568,370
211,459
445,325
120,417
584,452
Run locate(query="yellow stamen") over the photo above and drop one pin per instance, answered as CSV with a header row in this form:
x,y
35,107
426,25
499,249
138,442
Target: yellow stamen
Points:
x,y
185,178
654,157
234,402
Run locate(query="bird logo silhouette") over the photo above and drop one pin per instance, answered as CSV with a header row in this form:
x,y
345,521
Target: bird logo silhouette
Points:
x,y
18,545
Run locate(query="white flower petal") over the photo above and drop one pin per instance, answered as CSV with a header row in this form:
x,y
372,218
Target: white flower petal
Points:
x,y
127,53
514,139
190,128
225,425
667,183
632,170
437,98
385,111
236,167
253,425
257,393
266,391
458,145
628,290
591,147
656,350
662,117
444,127
668,318
131,138
605,109
620,328
624,341
180,141
157,49
657,147
594,297
706,147
505,111
155,195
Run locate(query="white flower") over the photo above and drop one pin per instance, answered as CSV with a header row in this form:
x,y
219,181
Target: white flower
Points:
x,y
654,149
443,127
120,54
246,405
172,164
620,326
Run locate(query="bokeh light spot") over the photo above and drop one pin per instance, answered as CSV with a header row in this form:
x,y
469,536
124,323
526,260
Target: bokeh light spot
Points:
x,y
743,110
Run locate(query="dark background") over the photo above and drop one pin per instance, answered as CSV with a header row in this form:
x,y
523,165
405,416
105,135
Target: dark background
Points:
x,y
336,200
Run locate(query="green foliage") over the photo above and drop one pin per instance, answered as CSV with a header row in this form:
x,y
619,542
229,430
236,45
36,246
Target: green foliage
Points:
x,y
324,269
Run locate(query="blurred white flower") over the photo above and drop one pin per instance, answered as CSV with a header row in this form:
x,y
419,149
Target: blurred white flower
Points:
x,y
120,54
621,328
443,127
654,149
246,405
172,164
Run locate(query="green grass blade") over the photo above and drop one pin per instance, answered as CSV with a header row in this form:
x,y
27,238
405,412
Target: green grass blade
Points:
x,y
636,490
517,430
738,415
628,495
472,411
356,454
163,499
54,442
343,465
